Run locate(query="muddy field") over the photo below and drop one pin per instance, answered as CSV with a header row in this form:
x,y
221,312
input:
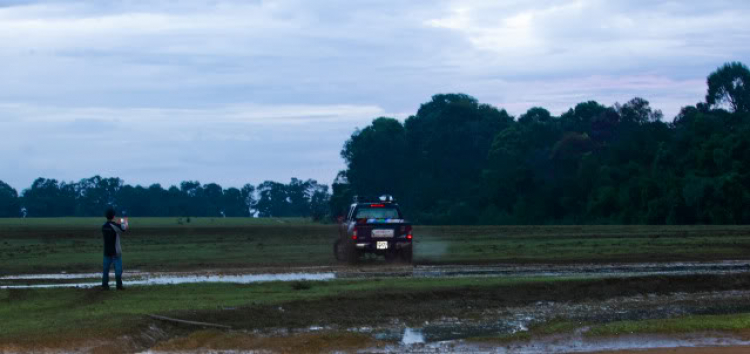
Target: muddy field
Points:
x,y
510,315
241,285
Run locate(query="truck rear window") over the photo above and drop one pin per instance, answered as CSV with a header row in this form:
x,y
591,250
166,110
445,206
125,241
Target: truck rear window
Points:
x,y
377,213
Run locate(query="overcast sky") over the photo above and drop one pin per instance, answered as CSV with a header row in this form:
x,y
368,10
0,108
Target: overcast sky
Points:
x,y
246,91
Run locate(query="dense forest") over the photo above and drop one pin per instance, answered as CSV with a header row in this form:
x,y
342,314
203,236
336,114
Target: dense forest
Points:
x,y
461,162
91,196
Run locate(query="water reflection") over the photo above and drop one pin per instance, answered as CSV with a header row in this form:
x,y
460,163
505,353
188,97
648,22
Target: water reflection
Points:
x,y
140,279
412,336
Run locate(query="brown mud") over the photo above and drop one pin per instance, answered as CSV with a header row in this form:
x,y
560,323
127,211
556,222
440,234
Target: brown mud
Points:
x,y
325,342
352,310
684,350
379,322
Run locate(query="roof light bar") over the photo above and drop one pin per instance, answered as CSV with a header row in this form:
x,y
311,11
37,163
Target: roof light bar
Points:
x,y
386,198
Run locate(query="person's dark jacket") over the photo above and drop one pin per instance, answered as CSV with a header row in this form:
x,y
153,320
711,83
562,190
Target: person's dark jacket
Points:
x,y
111,232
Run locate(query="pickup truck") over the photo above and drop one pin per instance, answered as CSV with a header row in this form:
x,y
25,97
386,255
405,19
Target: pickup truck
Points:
x,y
376,228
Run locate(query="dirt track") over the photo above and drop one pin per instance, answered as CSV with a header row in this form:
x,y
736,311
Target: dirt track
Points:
x,y
706,350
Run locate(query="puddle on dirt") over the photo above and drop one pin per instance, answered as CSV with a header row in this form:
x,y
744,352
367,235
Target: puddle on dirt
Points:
x,y
202,351
542,270
61,276
140,279
577,270
567,344
412,336
454,335
592,270
453,329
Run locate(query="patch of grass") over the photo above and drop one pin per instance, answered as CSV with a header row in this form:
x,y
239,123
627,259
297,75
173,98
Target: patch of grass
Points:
x,y
681,325
324,342
581,243
555,327
558,326
301,285
75,244
701,323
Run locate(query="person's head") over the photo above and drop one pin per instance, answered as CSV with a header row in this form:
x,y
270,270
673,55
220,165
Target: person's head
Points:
x,y
110,213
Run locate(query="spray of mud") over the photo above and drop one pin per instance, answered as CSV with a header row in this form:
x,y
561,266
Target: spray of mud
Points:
x,y
430,249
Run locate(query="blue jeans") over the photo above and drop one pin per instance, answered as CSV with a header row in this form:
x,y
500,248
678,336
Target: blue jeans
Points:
x,y
108,260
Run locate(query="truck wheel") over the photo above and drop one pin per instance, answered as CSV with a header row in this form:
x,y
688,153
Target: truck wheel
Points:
x,y
406,254
345,252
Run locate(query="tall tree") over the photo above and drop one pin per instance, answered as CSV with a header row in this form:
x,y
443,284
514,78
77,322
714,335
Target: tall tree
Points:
x,y
369,152
448,140
233,203
730,84
10,205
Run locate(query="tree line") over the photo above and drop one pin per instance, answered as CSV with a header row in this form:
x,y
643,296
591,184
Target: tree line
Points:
x,y
457,161
91,196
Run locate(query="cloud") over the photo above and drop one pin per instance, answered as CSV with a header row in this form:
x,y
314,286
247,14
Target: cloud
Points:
x,y
274,88
584,36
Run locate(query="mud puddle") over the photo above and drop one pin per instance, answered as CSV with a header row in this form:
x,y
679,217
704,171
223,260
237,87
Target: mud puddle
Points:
x,y
485,334
145,279
577,343
371,272
577,270
490,331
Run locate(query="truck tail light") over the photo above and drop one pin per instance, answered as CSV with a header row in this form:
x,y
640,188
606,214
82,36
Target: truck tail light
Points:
x,y
354,234
408,232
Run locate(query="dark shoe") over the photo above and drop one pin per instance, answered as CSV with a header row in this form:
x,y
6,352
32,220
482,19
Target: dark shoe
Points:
x,y
105,287
120,287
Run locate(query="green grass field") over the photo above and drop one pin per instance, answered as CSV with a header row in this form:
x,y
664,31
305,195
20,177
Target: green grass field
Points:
x,y
74,244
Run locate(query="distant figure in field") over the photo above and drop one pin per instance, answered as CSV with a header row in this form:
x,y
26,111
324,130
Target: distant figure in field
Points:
x,y
112,250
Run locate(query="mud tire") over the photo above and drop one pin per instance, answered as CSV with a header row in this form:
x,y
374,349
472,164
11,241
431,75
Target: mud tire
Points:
x,y
345,252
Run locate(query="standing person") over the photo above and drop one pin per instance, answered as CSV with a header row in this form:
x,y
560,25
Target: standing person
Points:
x,y
112,250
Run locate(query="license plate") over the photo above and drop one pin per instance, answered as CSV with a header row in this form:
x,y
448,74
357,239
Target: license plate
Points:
x,y
382,245
382,233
